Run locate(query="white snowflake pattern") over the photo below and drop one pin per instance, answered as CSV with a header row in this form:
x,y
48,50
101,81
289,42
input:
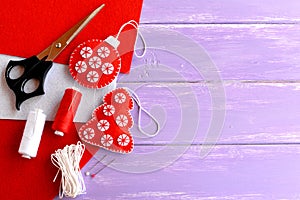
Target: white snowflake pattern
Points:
x,y
107,68
92,76
123,140
88,133
86,52
80,66
103,52
109,110
107,140
122,120
103,125
120,98
95,62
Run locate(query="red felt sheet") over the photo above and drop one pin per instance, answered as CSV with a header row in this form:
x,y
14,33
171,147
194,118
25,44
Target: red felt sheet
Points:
x,y
27,28
31,179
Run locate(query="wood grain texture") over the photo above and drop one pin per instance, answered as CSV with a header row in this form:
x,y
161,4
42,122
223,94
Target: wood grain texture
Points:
x,y
229,172
254,45
239,51
219,11
254,112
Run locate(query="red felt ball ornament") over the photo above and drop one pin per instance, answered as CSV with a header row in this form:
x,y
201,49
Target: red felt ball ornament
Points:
x,y
95,63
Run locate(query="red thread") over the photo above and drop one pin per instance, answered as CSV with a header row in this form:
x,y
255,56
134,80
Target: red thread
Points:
x,y
63,121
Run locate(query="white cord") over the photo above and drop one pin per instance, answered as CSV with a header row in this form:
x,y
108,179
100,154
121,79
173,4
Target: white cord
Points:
x,y
140,109
136,26
67,161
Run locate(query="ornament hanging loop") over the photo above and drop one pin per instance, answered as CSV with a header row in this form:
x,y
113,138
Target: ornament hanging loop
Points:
x,y
136,26
140,109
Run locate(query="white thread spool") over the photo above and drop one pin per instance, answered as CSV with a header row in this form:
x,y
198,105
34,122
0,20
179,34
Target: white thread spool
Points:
x,y
32,134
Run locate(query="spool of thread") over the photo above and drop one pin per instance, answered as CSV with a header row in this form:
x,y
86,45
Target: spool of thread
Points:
x,y
32,134
66,112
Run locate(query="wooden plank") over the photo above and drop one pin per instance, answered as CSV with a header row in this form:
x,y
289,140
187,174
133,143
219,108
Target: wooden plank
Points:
x,y
253,112
239,52
218,11
228,172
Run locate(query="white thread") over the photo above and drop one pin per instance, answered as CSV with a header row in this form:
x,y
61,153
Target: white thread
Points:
x,y
67,161
136,26
32,134
140,109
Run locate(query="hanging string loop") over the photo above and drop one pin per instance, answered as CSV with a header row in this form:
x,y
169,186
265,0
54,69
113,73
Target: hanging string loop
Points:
x,y
140,110
136,26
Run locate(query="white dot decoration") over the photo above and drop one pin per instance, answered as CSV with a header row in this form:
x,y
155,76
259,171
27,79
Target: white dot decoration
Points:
x,y
103,125
80,66
103,52
95,62
123,140
92,76
86,52
122,120
109,110
107,140
107,68
88,133
120,98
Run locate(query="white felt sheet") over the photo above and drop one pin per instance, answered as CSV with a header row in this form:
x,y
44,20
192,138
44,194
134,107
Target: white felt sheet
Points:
x,y
58,79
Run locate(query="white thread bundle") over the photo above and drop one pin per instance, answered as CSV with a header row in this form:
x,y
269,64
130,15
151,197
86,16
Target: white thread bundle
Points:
x,y
67,161
32,133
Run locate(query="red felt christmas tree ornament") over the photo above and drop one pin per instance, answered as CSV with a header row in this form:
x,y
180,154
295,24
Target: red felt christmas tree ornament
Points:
x,y
110,123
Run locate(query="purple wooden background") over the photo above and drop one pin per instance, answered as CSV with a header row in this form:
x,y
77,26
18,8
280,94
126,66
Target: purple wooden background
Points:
x,y
255,45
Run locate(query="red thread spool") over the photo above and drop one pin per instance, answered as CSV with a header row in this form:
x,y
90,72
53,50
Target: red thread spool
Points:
x,y
63,121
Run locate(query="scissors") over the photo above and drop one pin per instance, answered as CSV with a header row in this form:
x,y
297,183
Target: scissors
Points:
x,y
37,67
